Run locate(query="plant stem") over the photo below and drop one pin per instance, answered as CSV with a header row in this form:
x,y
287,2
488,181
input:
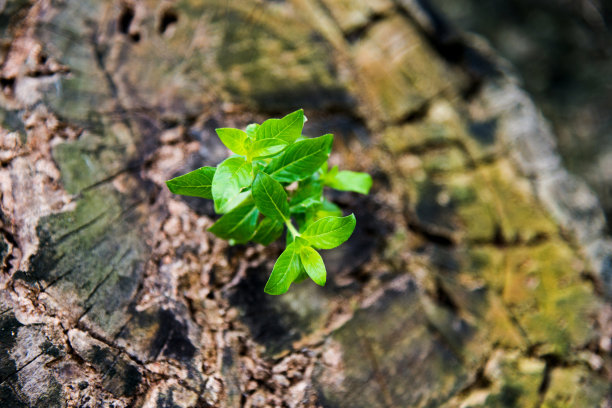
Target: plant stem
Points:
x,y
292,229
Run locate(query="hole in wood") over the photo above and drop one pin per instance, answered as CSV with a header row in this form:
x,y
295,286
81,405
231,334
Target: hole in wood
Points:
x,y
168,18
125,20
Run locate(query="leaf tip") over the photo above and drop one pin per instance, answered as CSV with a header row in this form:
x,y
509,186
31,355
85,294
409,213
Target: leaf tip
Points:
x,y
368,185
274,290
329,141
352,222
171,186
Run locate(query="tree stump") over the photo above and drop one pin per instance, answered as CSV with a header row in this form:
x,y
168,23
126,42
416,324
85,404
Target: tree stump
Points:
x,y
479,273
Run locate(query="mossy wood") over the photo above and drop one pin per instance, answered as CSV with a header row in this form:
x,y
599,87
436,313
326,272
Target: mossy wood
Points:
x,y
476,276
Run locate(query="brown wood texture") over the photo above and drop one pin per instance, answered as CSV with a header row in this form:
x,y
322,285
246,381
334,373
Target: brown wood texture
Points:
x,y
478,276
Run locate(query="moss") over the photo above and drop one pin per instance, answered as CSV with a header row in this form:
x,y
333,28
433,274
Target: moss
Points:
x,y
499,326
575,387
415,136
405,61
11,120
95,253
90,160
477,215
443,125
514,381
519,215
250,58
548,298
449,159
539,286
352,15
507,397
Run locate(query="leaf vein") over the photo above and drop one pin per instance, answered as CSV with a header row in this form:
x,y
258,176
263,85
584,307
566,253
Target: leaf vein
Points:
x,y
296,161
242,220
273,202
286,272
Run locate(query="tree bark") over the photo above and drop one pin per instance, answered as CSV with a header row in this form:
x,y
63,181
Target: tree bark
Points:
x,y
478,274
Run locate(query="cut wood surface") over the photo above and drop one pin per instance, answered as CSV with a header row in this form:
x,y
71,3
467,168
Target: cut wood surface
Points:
x,y
479,273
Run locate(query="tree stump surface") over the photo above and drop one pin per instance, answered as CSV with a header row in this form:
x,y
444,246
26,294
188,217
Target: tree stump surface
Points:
x,y
479,273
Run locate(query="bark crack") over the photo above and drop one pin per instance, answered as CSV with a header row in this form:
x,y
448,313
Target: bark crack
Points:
x,y
104,279
80,228
3,380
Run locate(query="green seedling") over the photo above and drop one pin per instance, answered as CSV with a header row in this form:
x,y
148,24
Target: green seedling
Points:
x,y
276,179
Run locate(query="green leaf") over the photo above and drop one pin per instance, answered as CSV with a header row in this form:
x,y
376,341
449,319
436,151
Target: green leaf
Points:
x,y
300,219
302,276
286,269
289,238
288,128
264,147
233,139
238,224
268,231
323,168
327,209
259,165
301,242
313,264
349,181
237,200
232,175
300,160
251,130
329,232
270,197
309,193
196,183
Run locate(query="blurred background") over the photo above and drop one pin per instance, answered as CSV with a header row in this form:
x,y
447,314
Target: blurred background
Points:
x,y
562,50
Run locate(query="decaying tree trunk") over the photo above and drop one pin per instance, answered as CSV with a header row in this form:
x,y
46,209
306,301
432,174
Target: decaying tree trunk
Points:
x,y
478,274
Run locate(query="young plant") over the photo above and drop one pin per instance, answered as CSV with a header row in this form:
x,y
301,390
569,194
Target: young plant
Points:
x,y
275,178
